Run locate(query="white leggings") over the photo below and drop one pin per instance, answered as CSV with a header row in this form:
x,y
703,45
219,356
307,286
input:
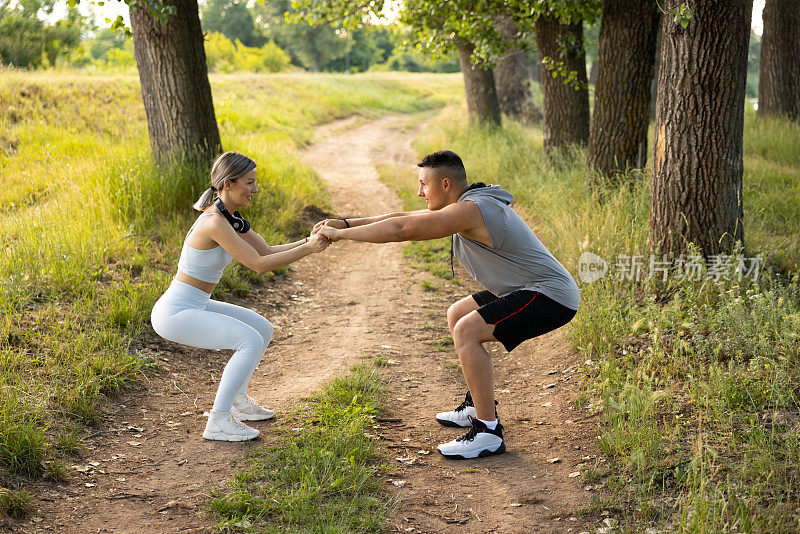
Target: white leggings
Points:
x,y
187,315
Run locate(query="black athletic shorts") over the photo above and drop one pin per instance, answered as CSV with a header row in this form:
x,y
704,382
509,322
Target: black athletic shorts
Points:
x,y
521,315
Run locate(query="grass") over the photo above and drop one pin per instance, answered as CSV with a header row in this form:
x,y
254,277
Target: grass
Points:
x,y
324,475
697,379
92,231
14,503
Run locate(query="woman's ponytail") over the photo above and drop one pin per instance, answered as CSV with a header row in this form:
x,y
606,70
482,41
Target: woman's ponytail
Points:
x,y
205,200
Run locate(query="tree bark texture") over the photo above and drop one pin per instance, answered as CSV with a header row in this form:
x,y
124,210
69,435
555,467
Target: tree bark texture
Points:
x,y
479,87
174,81
566,109
697,168
654,82
626,53
511,75
779,70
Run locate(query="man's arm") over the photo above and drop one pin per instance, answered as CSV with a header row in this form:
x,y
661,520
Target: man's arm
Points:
x,y
414,226
361,221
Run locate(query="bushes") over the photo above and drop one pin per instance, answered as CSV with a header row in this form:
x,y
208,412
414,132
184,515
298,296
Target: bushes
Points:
x,y
224,56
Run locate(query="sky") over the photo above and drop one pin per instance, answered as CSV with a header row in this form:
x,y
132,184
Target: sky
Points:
x,y
112,8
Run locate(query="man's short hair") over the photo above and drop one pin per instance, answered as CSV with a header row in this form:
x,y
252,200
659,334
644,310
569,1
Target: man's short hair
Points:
x,y
449,162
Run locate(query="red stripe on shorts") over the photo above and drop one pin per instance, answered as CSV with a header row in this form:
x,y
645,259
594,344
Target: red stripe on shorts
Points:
x,y
516,312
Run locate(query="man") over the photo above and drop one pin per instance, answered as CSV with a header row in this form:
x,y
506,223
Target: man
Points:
x,y
528,291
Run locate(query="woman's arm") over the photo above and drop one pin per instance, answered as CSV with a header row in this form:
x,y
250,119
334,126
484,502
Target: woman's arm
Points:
x,y
288,246
221,232
255,240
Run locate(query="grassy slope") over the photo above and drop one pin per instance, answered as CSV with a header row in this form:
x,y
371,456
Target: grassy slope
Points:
x,y
91,231
698,380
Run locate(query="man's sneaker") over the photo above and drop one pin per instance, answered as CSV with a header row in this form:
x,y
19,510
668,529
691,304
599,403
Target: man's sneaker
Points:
x,y
222,426
246,409
461,415
477,443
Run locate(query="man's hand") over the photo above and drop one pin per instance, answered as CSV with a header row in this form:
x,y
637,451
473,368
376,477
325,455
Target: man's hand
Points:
x,y
334,223
334,234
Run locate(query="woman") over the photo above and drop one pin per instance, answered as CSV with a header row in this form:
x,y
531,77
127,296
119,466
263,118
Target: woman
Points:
x,y
186,314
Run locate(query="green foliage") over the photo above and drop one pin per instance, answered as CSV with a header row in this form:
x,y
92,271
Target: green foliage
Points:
x,y
440,26
313,47
233,20
371,45
224,56
104,40
682,13
753,64
323,476
415,61
26,40
557,67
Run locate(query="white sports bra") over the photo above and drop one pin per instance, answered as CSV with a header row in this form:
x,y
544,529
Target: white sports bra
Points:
x,y
205,265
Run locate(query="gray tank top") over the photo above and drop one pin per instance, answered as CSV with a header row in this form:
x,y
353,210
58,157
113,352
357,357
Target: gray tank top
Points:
x,y
517,259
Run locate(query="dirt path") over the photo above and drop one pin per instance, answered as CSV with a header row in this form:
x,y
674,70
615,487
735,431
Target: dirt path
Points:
x,y
149,469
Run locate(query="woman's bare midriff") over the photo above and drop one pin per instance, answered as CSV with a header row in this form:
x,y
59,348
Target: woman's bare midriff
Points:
x,y
208,287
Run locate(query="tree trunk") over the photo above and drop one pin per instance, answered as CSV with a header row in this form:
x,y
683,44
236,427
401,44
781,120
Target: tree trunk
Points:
x,y
566,107
651,113
697,168
174,81
511,75
779,75
626,53
479,87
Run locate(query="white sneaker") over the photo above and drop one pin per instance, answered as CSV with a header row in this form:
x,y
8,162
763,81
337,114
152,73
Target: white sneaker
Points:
x,y
222,426
477,443
246,409
460,417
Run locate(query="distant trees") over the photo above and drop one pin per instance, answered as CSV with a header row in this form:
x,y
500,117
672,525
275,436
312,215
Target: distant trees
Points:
x,y
565,90
779,81
312,47
323,47
26,40
224,56
697,167
511,74
233,20
442,27
479,87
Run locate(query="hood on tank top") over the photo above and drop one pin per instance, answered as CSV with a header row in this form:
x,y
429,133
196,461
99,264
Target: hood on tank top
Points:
x,y
487,191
